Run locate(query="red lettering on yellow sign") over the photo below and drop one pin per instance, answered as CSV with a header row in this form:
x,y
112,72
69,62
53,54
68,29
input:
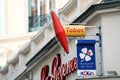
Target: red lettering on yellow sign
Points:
x,y
74,30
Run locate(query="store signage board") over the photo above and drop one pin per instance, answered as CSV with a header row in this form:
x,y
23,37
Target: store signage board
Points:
x,y
86,58
58,70
74,30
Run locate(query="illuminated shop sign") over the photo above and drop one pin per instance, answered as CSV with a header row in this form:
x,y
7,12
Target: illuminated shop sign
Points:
x,y
58,71
86,58
74,30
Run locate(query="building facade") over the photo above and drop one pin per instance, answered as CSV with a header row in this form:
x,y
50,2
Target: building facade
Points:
x,y
40,58
20,21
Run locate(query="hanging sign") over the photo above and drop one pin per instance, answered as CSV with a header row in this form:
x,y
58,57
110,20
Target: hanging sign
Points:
x,y
86,58
74,30
59,31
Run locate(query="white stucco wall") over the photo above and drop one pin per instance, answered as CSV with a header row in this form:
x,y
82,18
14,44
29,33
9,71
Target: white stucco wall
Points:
x,y
17,16
110,45
108,20
1,17
110,38
47,58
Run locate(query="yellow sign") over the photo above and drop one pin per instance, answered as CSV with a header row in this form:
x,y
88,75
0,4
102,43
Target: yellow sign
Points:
x,y
74,30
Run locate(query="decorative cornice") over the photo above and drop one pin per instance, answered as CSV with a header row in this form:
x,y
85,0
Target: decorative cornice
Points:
x,y
25,49
14,60
44,50
96,7
39,36
4,69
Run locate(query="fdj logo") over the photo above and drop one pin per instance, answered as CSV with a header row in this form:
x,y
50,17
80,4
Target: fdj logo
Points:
x,y
85,54
87,73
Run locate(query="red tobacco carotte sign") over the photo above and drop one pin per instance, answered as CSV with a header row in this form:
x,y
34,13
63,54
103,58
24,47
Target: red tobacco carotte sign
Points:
x,y
59,31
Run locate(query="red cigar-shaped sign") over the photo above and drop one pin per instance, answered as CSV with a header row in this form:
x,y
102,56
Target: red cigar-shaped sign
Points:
x,y
59,31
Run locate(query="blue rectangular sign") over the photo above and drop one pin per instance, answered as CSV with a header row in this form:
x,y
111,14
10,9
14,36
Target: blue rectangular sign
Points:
x,y
86,58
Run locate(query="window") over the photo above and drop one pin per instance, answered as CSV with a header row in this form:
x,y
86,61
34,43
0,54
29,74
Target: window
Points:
x,y
44,12
38,14
52,4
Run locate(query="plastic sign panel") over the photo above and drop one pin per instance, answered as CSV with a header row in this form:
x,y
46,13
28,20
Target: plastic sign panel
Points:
x,y
86,58
74,30
59,31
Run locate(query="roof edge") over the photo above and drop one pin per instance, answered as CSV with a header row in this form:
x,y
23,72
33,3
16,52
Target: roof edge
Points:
x,y
95,7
